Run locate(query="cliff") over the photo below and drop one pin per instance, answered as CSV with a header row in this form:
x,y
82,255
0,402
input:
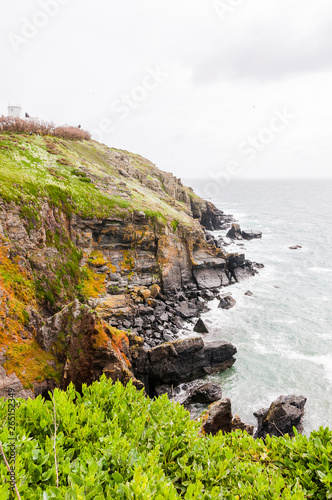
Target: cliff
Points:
x,y
102,233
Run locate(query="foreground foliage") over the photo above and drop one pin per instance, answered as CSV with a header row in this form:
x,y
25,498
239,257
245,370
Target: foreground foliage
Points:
x,y
112,442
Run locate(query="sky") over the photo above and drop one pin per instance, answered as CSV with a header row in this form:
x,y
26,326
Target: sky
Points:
x,y
203,88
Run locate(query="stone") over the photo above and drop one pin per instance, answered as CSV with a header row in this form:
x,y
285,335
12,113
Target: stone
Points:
x,y
218,417
249,293
155,290
182,361
295,247
227,302
279,419
205,394
250,235
235,232
238,424
200,327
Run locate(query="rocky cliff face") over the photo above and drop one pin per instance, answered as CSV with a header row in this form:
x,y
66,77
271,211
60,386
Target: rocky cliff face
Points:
x,y
103,230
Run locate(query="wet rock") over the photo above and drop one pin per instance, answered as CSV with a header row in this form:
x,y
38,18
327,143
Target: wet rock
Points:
x,y
200,327
235,232
284,414
227,302
250,235
182,361
205,394
249,293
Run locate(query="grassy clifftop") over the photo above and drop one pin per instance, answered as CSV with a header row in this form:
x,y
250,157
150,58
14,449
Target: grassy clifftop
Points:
x,y
87,178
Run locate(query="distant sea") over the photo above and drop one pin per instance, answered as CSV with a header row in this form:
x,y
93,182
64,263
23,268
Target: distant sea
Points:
x,y
283,333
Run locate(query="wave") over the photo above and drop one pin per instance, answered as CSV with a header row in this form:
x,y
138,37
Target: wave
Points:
x,y
320,269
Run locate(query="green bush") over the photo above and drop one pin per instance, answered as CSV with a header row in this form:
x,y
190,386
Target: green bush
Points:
x,y
112,442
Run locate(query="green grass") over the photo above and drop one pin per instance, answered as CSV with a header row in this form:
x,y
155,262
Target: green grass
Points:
x,y
114,443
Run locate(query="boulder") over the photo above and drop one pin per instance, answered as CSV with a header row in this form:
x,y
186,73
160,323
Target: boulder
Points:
x,y
218,417
235,232
249,293
200,327
182,361
284,414
227,302
204,394
250,235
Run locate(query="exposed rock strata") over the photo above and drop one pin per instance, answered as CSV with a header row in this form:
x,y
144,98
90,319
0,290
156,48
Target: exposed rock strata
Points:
x,y
181,361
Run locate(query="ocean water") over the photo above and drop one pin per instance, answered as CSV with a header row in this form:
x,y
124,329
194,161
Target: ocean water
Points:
x,y
283,333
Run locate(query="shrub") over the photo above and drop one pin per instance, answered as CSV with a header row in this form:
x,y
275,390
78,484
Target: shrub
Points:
x,y
113,442
19,126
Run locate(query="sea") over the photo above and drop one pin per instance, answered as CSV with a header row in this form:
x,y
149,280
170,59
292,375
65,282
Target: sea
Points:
x,y
283,332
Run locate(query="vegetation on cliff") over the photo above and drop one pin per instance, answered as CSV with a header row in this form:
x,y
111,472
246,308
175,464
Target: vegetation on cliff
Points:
x,y
58,198
113,442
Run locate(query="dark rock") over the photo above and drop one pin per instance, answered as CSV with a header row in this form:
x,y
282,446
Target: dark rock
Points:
x,y
227,302
250,235
200,327
249,293
184,311
218,417
238,424
205,394
182,361
295,247
163,317
235,232
284,414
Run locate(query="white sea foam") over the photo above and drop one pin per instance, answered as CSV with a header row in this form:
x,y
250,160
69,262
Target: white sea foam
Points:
x,y
320,269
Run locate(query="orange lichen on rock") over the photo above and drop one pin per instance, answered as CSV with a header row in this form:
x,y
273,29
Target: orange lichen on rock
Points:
x,y
23,354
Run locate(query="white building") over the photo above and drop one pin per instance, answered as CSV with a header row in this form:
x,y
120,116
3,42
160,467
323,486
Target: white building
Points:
x,y
15,111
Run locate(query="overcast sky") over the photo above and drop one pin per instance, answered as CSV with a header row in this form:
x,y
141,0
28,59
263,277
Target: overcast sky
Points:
x,y
202,88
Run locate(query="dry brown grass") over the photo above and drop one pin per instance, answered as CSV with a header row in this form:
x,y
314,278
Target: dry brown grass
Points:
x,y
19,126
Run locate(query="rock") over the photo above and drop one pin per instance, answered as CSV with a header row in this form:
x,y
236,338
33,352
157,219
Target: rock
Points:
x,y
235,232
218,417
295,247
87,346
155,290
200,327
249,293
250,235
227,302
284,414
205,394
182,361
238,424
185,311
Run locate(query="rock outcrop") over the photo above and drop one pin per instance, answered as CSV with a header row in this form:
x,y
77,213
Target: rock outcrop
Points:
x,y
204,394
236,233
227,302
280,418
86,346
219,417
181,361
